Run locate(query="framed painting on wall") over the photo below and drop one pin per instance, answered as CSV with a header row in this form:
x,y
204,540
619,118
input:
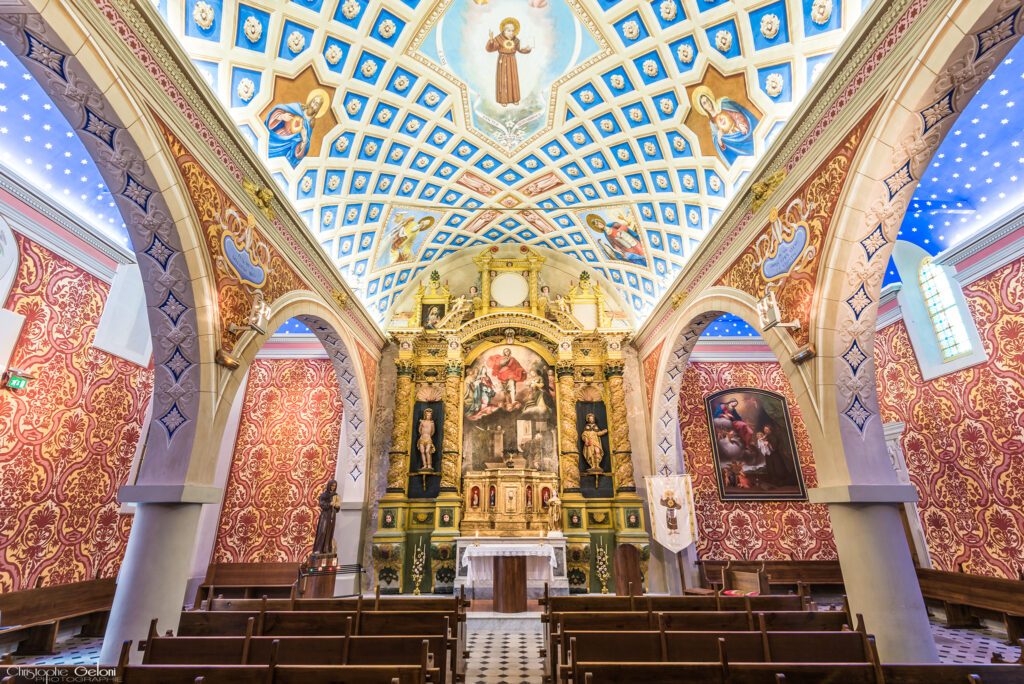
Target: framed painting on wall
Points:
x,y
753,446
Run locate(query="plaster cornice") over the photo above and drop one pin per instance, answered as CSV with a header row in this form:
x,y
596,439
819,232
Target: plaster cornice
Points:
x,y
154,63
54,240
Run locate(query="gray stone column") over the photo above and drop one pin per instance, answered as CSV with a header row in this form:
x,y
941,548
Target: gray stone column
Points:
x,y
881,581
155,571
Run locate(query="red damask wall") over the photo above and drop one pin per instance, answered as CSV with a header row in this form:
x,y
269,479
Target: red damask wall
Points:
x,y
964,436
784,530
285,452
67,441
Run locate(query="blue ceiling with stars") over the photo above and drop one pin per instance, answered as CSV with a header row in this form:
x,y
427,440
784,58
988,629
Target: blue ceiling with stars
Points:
x,y
38,144
604,144
973,178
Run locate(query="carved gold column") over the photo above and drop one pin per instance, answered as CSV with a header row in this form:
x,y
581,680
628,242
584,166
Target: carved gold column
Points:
x,y
567,435
618,432
451,461
401,431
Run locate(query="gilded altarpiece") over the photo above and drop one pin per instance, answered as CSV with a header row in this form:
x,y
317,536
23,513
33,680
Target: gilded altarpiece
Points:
x,y
517,374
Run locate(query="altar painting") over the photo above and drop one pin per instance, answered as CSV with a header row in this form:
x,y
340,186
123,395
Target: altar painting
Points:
x,y
509,410
509,53
753,446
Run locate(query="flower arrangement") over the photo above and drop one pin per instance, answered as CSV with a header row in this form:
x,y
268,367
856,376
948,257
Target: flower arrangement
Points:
x,y
601,566
418,559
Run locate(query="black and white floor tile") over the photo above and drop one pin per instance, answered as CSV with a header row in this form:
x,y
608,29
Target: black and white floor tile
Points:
x,y
505,657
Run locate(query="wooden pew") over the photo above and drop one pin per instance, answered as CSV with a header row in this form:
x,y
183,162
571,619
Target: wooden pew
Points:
x,y
685,621
272,672
953,674
423,651
959,592
716,673
782,574
578,604
745,581
247,580
34,616
736,647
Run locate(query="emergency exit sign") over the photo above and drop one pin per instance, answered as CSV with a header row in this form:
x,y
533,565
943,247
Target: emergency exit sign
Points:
x,y
17,382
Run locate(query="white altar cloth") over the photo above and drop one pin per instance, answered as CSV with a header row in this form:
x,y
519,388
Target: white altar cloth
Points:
x,y
540,560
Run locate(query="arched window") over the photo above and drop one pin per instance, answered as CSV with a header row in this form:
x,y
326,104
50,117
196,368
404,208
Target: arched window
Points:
x,y
947,322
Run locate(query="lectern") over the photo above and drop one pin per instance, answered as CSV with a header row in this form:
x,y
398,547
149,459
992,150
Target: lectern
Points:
x,y
510,584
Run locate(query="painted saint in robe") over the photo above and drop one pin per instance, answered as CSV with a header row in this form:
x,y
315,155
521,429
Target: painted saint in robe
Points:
x,y
507,45
623,241
403,236
291,126
732,124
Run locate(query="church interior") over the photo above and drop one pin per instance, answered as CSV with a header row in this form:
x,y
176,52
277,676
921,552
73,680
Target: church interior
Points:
x,y
511,341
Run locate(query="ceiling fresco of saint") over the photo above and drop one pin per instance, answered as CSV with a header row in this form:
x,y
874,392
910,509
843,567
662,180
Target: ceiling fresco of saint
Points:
x,y
611,131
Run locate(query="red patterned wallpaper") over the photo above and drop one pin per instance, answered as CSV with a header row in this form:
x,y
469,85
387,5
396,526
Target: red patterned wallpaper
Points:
x,y
964,437
286,450
758,530
67,441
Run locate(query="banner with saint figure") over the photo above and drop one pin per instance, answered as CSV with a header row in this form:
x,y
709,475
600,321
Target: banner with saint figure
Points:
x,y
673,516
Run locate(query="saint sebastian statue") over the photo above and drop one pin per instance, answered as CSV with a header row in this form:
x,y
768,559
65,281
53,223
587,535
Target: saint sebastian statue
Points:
x,y
330,504
593,452
507,76
425,442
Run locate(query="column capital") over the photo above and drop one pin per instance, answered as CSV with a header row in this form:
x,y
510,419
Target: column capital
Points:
x,y
169,493
863,494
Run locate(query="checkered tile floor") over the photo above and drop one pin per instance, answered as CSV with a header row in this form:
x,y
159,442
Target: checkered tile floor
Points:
x,y
505,658
514,657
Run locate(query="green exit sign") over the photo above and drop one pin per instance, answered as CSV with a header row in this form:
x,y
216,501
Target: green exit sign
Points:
x,y
17,382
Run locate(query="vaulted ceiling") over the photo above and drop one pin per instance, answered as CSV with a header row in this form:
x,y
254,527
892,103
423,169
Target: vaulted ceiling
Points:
x,y
425,149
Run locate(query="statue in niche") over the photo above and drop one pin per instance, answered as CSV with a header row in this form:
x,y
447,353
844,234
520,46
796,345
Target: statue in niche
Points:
x,y
593,452
554,513
425,442
330,504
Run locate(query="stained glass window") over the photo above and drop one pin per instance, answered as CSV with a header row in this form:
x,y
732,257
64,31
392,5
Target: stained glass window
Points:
x,y
942,309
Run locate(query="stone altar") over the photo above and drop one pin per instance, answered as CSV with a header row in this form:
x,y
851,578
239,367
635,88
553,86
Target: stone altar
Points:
x,y
545,562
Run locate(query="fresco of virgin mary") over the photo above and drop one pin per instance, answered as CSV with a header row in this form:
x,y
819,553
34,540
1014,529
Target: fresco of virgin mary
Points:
x,y
291,126
732,124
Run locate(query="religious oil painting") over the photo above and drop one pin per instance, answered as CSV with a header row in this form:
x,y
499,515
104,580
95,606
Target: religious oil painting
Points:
x,y
615,231
509,54
405,231
509,410
431,315
753,446
290,125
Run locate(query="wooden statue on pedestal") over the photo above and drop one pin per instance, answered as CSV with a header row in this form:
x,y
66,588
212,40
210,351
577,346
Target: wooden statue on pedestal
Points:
x,y
317,575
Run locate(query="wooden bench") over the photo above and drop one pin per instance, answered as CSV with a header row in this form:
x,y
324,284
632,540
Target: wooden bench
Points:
x,y
794,574
199,623
248,580
690,621
576,604
424,651
34,616
273,672
732,647
716,673
953,674
959,592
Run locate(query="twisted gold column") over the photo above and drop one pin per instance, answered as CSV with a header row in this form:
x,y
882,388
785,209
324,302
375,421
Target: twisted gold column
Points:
x,y
401,435
567,435
618,433
451,452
